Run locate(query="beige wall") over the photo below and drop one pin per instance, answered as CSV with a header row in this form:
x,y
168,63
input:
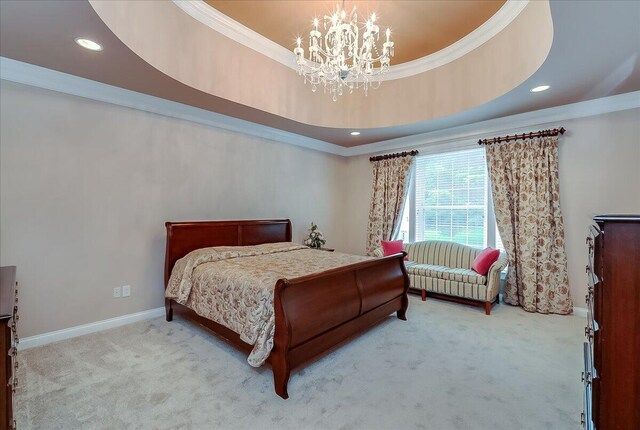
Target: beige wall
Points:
x,y
599,173
85,189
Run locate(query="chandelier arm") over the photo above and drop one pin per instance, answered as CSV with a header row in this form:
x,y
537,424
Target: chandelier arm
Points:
x,y
339,59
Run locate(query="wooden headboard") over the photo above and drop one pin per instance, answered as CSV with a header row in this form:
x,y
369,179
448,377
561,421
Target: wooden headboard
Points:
x,y
184,237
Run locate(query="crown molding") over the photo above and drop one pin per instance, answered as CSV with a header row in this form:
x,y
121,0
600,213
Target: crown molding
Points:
x,y
447,139
41,77
207,15
465,136
494,25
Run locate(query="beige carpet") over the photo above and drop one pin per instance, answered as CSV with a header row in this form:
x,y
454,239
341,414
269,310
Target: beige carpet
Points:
x,y
448,367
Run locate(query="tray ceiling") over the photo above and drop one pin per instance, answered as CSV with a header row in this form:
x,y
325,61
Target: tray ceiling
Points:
x,y
419,28
582,65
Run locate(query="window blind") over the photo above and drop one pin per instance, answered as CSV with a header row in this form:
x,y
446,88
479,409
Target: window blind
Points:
x,y
451,192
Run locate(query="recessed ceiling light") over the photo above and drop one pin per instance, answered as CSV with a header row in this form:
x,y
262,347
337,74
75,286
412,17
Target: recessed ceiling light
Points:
x,y
88,44
355,133
540,88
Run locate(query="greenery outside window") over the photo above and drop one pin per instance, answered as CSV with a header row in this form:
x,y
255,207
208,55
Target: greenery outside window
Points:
x,y
450,199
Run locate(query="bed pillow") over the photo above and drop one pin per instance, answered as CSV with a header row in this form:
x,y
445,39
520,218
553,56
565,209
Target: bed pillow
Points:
x,y
485,259
392,247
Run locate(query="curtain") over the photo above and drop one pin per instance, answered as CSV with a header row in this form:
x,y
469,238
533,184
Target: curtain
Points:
x,y
390,186
526,198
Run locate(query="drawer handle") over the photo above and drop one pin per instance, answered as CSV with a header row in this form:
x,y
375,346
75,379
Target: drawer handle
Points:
x,y
588,332
585,377
582,420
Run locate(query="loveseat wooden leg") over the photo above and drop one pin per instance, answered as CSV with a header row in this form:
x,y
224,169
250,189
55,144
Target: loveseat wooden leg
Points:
x,y
487,308
424,295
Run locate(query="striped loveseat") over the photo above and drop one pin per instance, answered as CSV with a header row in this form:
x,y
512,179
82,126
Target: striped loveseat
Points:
x,y
443,270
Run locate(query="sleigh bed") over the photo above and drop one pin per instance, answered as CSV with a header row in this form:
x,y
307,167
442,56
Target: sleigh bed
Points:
x,y
312,313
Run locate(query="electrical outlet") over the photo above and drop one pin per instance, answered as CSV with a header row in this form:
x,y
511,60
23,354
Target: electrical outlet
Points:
x,y
126,290
117,292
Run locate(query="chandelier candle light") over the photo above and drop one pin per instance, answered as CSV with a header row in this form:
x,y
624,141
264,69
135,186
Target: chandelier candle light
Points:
x,y
340,60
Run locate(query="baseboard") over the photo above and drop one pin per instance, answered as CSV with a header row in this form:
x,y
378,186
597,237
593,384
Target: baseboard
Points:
x,y
68,333
580,312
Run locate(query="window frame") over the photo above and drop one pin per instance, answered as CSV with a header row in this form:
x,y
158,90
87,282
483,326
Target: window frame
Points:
x,y
490,219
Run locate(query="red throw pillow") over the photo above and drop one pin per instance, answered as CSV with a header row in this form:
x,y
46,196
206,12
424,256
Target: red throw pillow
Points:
x,y
485,259
392,247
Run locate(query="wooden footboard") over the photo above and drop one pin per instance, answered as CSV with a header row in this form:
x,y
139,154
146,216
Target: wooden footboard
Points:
x,y
313,314
317,312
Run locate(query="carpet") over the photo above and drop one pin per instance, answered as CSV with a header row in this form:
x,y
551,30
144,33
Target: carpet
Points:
x,y
448,367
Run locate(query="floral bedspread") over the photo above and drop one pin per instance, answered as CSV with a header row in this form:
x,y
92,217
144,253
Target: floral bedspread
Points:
x,y
233,285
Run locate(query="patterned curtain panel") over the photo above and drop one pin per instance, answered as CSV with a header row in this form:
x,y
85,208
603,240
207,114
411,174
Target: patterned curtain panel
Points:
x,y
390,187
524,181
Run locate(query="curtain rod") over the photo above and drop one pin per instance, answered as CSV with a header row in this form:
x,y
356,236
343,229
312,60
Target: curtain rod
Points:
x,y
396,155
541,133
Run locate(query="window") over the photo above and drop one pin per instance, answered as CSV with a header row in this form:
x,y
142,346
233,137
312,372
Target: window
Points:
x,y
450,200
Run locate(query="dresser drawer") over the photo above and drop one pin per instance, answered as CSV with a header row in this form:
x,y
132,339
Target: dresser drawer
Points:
x,y
592,278
591,319
588,376
586,418
9,340
592,233
13,352
589,371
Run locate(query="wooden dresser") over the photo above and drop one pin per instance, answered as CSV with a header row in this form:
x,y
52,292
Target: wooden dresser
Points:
x,y
8,342
612,349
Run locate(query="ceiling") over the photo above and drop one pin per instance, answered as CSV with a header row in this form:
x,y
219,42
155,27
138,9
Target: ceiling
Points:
x,y
419,28
595,53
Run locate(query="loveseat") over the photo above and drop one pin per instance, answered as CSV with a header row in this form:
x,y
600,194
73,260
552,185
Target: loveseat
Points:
x,y
443,270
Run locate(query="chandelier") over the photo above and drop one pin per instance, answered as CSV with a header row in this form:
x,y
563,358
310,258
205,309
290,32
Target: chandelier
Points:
x,y
340,60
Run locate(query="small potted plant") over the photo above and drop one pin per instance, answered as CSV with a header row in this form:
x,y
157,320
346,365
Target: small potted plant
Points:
x,y
315,239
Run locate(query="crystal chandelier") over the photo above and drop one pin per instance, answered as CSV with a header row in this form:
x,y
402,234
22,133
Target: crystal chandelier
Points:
x,y
340,60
